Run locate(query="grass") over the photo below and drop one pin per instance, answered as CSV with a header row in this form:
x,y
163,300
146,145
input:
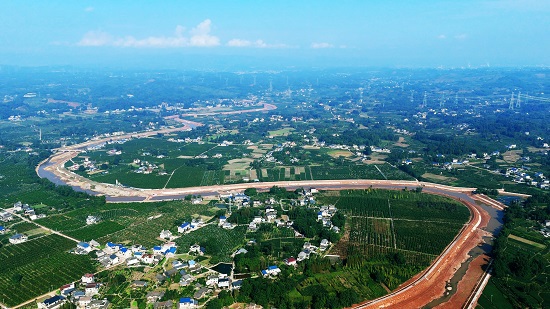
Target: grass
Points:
x,y
526,241
492,298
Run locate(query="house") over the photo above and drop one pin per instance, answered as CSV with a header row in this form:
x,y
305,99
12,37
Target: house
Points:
x,y
222,220
194,266
197,200
302,256
223,283
114,258
66,288
52,302
186,280
18,206
257,220
271,270
139,284
240,251
290,261
84,246
166,234
154,296
6,216
324,244
94,244
200,293
188,302
170,252
124,253
2,230
98,304
92,289
228,226
132,261
177,265
212,280
84,301
184,227
148,259
236,284
196,249
92,220
87,278
111,247
18,238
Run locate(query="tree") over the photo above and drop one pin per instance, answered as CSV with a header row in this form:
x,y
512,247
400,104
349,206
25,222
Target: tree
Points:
x,y
251,192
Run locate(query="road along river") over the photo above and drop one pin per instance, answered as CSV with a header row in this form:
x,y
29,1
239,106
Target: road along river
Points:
x,y
419,291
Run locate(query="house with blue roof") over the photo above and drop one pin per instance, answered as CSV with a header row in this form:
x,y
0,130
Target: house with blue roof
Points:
x,y
271,270
157,250
184,227
2,230
187,302
52,302
170,252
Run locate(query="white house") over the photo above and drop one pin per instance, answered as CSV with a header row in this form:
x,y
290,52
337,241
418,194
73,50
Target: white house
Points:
x,y
166,234
212,280
187,302
87,278
52,302
132,261
84,301
148,259
92,220
92,289
84,246
18,238
324,244
223,283
271,270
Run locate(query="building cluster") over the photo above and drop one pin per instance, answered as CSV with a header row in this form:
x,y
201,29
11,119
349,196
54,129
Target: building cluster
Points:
x,y
83,294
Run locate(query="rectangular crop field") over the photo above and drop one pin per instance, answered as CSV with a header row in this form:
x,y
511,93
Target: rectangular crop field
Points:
x,y
38,266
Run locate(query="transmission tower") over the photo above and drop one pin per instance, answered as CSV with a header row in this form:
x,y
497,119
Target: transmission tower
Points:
x,y
511,106
456,98
360,95
518,101
412,96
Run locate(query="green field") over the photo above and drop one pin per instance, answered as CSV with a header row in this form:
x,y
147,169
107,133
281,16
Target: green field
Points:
x,y
382,222
219,243
38,266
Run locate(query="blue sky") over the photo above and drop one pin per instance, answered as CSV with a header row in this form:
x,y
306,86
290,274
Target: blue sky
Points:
x,y
293,33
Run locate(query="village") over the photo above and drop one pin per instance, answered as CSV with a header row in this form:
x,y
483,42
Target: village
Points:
x,y
167,261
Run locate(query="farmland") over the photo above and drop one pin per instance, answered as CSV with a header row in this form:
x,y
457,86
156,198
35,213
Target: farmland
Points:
x,y
386,224
35,267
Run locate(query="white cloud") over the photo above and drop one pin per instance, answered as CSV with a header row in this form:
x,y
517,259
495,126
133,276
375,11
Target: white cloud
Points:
x,y
199,37
95,38
461,36
256,44
89,9
441,37
239,43
321,45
